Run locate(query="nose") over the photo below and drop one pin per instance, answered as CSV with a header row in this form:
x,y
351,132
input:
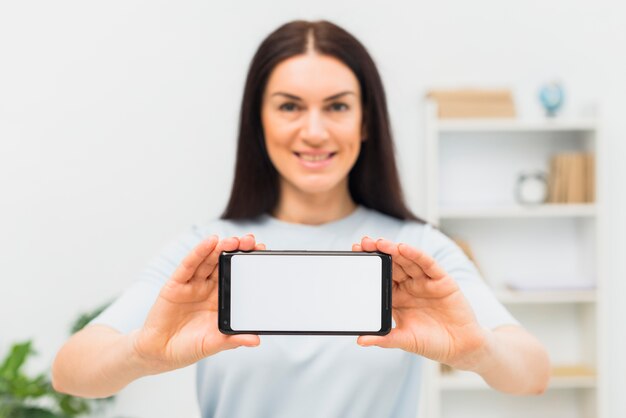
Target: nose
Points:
x,y
314,130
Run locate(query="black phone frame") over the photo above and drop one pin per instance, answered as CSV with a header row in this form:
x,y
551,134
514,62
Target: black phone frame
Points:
x,y
223,316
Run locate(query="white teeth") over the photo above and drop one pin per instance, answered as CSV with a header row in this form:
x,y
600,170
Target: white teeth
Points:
x,y
320,157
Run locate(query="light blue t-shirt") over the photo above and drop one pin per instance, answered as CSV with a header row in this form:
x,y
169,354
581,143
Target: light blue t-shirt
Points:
x,y
309,376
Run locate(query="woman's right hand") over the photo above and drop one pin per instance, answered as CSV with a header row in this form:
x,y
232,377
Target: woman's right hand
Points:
x,y
181,328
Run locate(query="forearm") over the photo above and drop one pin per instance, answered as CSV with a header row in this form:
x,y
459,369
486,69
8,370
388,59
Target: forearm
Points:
x,y
513,361
96,362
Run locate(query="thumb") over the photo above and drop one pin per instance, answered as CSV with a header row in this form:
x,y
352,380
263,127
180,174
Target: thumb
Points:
x,y
390,340
387,341
246,340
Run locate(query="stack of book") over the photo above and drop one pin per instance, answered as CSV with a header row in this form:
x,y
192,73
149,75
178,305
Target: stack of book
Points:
x,y
572,178
473,103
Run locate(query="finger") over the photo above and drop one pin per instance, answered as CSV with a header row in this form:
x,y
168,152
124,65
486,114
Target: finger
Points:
x,y
387,247
409,266
357,247
246,340
368,244
187,268
228,244
247,242
392,340
391,248
260,247
208,267
425,262
229,342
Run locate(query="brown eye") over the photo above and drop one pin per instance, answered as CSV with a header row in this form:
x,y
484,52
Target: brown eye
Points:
x,y
288,107
338,107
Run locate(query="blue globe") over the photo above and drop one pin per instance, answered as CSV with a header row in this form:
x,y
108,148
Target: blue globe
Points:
x,y
551,96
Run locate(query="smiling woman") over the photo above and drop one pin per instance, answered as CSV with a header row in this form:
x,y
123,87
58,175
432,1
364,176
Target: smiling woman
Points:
x,y
315,170
314,123
313,130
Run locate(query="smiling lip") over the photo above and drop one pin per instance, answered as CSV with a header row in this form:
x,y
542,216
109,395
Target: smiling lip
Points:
x,y
317,159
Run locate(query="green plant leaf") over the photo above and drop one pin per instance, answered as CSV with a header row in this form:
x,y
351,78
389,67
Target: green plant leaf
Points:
x,y
17,390
71,405
34,412
13,362
85,318
24,387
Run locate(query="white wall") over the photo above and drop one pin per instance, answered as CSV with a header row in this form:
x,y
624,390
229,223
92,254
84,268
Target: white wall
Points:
x,y
118,123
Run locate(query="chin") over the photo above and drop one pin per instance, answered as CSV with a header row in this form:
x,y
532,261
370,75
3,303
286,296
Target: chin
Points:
x,y
316,187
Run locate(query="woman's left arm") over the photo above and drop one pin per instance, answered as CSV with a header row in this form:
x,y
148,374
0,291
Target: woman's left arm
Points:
x,y
513,361
434,319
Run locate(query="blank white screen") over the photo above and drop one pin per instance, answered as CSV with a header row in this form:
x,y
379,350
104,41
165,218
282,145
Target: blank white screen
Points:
x,y
305,293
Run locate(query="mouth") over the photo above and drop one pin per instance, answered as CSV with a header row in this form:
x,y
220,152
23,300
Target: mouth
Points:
x,y
316,160
314,157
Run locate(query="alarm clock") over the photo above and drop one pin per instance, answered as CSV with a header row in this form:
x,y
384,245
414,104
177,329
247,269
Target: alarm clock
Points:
x,y
531,188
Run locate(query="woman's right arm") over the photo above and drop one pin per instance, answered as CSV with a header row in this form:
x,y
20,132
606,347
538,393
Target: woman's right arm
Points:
x,y
181,329
97,362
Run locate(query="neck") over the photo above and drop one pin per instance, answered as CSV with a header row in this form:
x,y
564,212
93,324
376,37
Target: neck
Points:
x,y
295,206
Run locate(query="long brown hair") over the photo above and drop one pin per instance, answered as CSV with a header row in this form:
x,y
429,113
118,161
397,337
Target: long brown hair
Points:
x,y
373,181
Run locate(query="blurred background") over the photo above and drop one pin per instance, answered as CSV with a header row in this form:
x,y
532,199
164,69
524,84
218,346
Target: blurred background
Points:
x,y
118,125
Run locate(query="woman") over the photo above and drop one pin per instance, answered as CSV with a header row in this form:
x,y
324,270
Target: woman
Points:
x,y
315,170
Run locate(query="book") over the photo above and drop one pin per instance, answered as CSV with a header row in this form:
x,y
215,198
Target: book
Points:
x,y
590,176
571,178
473,103
576,183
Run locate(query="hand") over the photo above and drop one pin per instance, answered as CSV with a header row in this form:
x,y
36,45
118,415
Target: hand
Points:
x,y
433,318
181,327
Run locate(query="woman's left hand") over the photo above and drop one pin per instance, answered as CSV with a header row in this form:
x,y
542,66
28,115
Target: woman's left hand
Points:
x,y
433,318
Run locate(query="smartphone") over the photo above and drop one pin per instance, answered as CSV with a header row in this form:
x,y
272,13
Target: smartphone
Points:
x,y
304,292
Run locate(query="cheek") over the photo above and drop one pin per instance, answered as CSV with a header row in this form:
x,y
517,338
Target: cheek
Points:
x,y
350,135
276,138
277,129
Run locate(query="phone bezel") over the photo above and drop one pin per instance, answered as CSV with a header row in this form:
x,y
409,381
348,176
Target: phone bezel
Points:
x,y
224,291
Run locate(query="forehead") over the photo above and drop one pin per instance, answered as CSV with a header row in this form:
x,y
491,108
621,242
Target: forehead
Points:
x,y
312,76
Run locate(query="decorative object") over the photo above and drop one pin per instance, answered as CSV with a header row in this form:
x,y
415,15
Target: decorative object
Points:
x,y
551,96
21,395
531,188
24,396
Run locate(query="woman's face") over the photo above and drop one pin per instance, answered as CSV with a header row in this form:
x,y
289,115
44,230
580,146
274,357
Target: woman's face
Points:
x,y
312,120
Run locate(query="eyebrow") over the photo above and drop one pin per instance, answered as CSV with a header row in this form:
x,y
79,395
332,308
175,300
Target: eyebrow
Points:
x,y
294,97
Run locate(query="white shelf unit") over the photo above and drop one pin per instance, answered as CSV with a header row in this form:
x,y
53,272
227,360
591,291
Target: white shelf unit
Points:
x,y
540,211
472,168
471,381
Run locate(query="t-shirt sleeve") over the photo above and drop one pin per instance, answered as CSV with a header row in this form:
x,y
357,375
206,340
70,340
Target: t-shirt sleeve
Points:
x,y
489,311
129,311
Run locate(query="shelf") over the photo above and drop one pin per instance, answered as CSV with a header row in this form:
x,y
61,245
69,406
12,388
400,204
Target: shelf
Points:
x,y
544,261
459,380
512,297
514,125
581,210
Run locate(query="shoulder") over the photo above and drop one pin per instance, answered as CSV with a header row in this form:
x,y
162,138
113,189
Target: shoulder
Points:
x,y
418,234
185,241
403,230
429,239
